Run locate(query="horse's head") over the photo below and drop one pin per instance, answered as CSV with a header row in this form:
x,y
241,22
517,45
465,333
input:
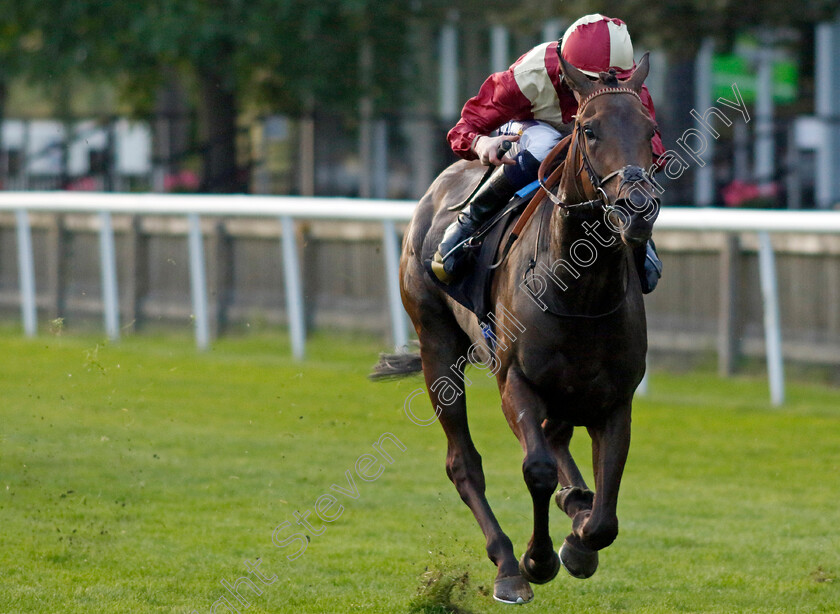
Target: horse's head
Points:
x,y
611,143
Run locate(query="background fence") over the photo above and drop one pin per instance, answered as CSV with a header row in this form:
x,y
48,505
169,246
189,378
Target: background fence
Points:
x,y
227,261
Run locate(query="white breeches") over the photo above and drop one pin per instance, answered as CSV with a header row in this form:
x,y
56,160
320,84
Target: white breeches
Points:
x,y
536,137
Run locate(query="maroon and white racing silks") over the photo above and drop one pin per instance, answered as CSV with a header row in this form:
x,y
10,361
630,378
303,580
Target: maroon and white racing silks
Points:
x,y
532,87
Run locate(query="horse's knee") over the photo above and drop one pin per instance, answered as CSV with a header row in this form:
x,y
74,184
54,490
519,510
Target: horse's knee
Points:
x,y
540,474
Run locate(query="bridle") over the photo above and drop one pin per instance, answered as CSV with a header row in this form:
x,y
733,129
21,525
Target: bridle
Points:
x,y
571,145
628,173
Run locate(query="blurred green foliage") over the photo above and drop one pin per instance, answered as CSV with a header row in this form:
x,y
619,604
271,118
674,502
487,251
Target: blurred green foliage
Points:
x,y
286,55
283,53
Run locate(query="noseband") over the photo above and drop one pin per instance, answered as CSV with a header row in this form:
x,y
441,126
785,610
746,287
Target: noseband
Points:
x,y
628,174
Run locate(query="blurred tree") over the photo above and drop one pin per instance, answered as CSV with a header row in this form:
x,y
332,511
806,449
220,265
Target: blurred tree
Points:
x,y
295,55
279,55
680,25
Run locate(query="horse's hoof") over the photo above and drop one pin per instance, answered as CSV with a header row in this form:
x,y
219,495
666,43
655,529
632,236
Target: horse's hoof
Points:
x,y
572,499
578,561
513,589
539,574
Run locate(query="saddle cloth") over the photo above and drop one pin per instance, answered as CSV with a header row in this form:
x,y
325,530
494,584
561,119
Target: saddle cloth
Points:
x,y
472,290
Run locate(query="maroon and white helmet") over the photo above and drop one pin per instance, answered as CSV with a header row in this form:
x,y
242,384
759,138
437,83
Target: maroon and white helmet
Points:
x,y
595,43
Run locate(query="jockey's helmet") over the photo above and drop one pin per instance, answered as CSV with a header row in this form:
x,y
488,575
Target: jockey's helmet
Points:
x,y
595,43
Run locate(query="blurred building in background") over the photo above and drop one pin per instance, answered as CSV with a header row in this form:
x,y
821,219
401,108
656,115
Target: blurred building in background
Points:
x,y
353,107
45,154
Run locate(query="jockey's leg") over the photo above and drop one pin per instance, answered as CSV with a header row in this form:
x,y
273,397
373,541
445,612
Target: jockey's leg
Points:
x,y
648,266
536,141
488,199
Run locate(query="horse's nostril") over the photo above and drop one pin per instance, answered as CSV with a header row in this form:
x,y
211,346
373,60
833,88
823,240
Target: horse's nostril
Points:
x,y
638,199
634,239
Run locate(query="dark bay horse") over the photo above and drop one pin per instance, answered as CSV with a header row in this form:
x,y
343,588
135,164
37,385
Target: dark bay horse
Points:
x,y
570,332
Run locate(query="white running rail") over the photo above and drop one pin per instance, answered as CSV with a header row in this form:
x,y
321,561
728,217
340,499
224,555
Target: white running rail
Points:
x,y
388,212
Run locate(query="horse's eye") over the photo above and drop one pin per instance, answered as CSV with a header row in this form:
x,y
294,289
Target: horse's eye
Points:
x,y
590,134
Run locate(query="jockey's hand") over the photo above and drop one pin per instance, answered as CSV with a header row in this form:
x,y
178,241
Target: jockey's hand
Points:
x,y
487,149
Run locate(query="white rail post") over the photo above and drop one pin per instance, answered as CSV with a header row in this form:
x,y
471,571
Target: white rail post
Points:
x,y
26,274
294,289
108,269
772,321
391,251
552,29
198,282
827,107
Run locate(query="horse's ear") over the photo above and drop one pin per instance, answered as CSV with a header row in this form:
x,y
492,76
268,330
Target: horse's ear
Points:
x,y
576,79
639,75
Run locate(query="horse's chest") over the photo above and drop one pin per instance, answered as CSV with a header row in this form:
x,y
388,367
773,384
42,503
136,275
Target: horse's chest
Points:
x,y
583,369
580,387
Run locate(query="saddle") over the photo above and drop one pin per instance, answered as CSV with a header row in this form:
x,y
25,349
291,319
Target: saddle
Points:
x,y
485,246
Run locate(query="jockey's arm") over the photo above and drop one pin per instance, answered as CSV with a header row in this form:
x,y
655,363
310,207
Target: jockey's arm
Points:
x,y
497,102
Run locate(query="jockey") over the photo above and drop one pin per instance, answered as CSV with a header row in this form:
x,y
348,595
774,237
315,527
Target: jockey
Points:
x,y
531,103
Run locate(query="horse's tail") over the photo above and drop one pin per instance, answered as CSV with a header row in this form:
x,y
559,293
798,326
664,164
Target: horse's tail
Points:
x,y
395,366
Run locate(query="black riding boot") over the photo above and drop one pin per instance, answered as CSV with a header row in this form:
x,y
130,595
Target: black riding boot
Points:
x,y
450,258
648,266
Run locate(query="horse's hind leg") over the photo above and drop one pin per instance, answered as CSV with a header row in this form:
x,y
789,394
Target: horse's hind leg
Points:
x,y
574,494
575,498
525,411
463,463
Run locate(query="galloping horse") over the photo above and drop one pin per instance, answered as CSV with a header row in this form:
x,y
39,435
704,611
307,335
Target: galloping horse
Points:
x,y
570,335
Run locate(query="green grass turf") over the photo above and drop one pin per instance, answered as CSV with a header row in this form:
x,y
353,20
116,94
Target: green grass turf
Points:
x,y
135,477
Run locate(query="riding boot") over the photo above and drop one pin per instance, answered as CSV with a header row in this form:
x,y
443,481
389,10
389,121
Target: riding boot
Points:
x,y
648,266
450,259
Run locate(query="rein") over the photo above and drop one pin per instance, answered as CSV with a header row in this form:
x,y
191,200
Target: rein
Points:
x,y
541,242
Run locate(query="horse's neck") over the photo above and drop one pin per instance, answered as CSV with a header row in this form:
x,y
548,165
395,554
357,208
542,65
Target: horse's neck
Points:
x,y
590,261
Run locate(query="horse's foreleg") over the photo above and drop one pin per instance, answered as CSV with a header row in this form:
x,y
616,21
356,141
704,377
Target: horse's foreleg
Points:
x,y
598,528
610,446
463,466
525,411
